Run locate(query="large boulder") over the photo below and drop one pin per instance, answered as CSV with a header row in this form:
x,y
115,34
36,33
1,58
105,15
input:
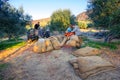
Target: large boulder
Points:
x,y
90,66
86,51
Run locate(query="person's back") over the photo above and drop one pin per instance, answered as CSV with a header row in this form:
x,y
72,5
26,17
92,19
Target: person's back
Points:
x,y
47,32
36,26
36,29
76,30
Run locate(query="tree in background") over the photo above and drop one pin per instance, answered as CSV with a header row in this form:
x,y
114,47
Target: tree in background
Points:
x,y
106,14
12,20
61,19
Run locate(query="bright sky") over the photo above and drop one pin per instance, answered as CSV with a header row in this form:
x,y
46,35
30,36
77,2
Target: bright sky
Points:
x,y
44,8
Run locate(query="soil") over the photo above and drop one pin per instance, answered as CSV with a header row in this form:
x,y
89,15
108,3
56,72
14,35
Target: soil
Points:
x,y
27,65
54,65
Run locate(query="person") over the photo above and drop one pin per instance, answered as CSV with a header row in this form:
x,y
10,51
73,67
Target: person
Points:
x,y
47,32
36,26
76,30
68,31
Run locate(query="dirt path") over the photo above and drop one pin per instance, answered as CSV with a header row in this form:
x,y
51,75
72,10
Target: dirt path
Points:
x,y
48,66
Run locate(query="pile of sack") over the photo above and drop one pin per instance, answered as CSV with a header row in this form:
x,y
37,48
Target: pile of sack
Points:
x,y
86,51
56,42
88,63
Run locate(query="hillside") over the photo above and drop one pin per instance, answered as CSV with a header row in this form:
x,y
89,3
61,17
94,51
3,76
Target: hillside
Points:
x,y
43,21
82,16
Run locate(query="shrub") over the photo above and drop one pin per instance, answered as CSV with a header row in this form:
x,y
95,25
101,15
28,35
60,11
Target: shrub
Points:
x,y
90,25
82,25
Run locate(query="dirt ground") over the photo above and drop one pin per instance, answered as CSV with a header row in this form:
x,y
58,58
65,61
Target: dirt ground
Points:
x,y
54,65
27,65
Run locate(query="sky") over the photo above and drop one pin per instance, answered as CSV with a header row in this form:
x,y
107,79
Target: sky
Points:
x,y
39,9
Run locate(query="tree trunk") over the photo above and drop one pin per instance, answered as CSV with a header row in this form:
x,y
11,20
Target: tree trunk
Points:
x,y
109,38
9,36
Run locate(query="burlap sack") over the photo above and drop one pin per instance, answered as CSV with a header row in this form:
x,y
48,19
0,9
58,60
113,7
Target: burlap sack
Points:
x,y
90,66
78,44
74,37
72,43
80,40
60,38
43,46
37,47
87,51
64,41
40,46
48,44
55,42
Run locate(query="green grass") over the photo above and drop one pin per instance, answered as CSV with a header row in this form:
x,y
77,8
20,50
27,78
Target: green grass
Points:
x,y
95,44
11,44
102,44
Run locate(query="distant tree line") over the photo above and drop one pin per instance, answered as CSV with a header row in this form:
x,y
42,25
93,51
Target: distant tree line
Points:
x,y
106,14
12,20
61,19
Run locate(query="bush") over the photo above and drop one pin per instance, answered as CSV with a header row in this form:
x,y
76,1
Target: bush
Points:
x,y
82,25
90,25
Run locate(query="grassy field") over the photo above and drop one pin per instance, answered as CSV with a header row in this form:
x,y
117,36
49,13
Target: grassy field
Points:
x,y
6,44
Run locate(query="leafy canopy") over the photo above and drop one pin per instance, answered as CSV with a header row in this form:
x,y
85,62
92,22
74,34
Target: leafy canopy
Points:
x,y
105,14
12,20
61,19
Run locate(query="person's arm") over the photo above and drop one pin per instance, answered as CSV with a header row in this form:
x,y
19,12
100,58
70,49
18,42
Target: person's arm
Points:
x,y
74,29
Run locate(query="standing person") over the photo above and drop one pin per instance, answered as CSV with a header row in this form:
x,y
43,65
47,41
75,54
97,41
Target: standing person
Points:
x,y
36,28
76,30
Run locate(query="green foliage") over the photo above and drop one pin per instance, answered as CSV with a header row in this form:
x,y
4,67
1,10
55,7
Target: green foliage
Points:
x,y
102,44
90,24
12,20
106,14
82,25
95,44
11,44
61,19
